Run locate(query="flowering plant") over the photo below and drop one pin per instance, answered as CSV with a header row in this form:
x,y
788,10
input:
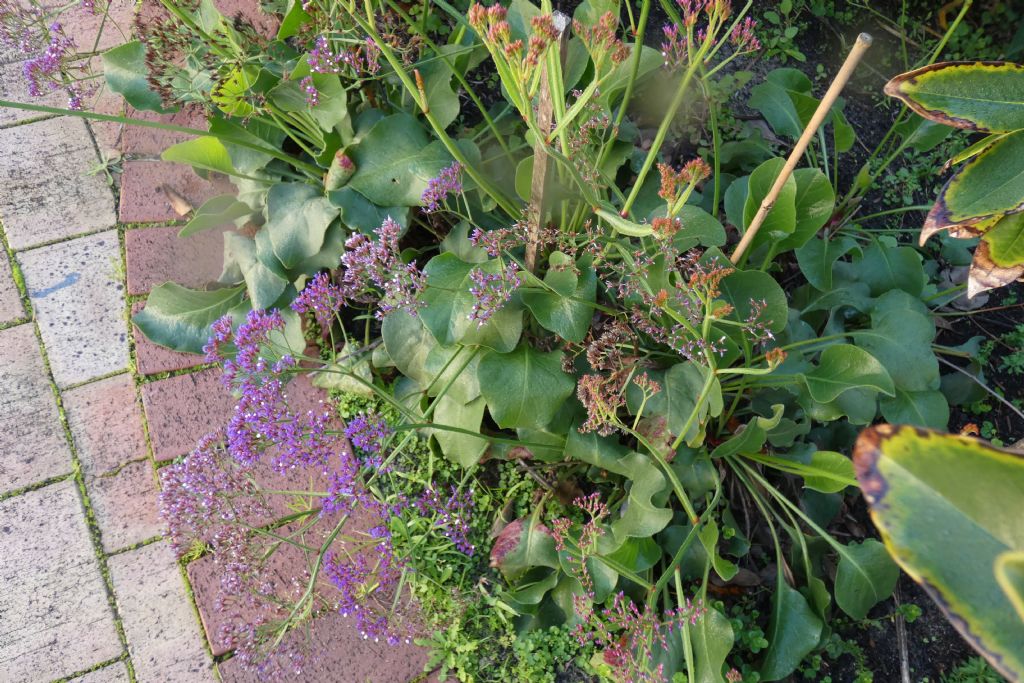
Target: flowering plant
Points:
x,y
561,399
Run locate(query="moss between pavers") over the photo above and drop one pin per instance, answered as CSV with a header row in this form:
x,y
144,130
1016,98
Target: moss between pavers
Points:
x,y
97,667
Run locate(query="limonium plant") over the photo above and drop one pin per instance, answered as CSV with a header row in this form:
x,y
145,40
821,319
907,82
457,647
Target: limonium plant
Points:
x,y
555,405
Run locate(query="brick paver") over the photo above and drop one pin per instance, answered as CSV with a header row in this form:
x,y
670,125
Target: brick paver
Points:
x,y
158,620
180,410
78,298
54,616
106,425
10,299
44,192
115,673
153,141
32,443
156,255
151,359
144,200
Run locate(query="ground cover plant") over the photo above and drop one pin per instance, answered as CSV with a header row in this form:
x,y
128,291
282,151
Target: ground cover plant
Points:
x,y
567,435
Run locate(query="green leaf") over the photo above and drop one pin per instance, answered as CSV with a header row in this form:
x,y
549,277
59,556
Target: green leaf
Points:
x,y
207,153
866,575
781,220
124,68
814,201
524,388
884,266
522,545
460,377
408,344
920,134
698,228
932,494
712,641
827,471
817,257
1006,241
743,287
297,219
442,100
708,535
981,96
843,367
359,213
794,630
294,18
989,185
642,518
567,315
214,213
1010,575
917,408
901,341
395,160
464,449
677,400
179,318
263,284
449,304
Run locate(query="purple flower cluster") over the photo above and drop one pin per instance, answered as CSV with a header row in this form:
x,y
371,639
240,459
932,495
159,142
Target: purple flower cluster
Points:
x,y
48,68
448,181
491,291
322,298
312,94
452,515
373,271
363,59
368,432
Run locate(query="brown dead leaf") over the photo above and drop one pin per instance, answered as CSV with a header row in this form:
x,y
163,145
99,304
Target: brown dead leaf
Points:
x,y
985,274
180,205
937,221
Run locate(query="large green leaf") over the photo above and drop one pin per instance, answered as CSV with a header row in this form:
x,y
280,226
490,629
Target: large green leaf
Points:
x,y
449,304
125,69
901,341
843,367
641,517
297,218
989,185
866,575
522,545
459,447
883,266
452,369
743,287
817,257
567,313
180,318
781,219
981,96
947,507
395,160
408,344
917,408
712,640
215,212
207,153
793,631
1006,241
814,202
524,388
698,228
263,284
680,387
1010,575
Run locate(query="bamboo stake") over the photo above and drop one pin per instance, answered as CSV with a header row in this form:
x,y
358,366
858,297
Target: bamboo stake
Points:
x,y
545,114
862,44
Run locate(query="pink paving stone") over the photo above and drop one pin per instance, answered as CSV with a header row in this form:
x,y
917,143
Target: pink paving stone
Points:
x,y
341,654
151,358
180,410
107,133
145,140
10,299
106,424
249,10
92,31
157,255
143,199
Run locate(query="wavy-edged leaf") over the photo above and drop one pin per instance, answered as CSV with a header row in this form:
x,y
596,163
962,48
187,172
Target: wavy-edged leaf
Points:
x,y
179,318
843,367
524,388
929,493
641,517
981,96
